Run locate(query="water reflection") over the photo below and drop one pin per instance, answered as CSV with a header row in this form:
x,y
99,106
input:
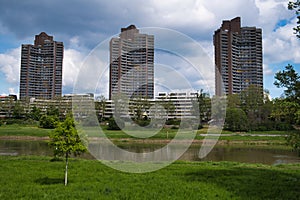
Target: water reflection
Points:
x,y
8,147
251,154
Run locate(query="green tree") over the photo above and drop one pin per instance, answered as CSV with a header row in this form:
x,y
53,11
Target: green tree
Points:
x,y
251,103
266,110
218,109
297,115
288,109
285,111
35,113
204,105
7,107
294,140
236,120
100,106
295,5
233,101
53,111
290,80
169,107
66,141
138,106
112,124
18,110
48,121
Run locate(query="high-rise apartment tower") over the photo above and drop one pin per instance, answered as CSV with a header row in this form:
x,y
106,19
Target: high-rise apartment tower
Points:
x,y
132,64
238,57
41,68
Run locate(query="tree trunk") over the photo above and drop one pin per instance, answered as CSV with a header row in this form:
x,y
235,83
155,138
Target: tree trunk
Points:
x,y
66,173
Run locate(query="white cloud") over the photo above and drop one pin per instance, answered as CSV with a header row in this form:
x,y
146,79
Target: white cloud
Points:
x,y
179,13
196,18
270,12
11,90
247,9
10,65
73,60
267,70
282,45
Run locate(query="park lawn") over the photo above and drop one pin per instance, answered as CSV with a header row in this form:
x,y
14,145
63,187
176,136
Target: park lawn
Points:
x,y
170,133
23,130
32,177
26,130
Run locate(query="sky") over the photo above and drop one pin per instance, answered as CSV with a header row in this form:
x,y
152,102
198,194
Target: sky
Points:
x,y
85,27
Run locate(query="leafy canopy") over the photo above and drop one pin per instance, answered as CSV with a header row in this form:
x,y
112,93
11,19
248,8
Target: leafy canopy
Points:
x,y
66,140
295,5
289,79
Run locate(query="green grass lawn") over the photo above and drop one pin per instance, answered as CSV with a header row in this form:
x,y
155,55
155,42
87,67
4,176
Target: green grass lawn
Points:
x,y
170,133
38,178
23,130
26,130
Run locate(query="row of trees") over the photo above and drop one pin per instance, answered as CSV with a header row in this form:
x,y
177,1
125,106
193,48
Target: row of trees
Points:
x,y
295,5
251,110
293,88
22,112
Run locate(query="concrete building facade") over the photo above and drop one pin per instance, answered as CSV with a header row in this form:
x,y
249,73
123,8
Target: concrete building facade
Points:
x,y
132,64
182,106
238,57
41,68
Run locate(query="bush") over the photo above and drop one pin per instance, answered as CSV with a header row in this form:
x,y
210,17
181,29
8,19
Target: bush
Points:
x,y
143,122
284,126
112,125
265,126
48,122
236,120
200,126
294,140
173,122
10,121
262,128
272,126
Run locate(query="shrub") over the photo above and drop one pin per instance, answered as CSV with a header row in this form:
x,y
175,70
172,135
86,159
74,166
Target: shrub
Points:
x,y
284,126
10,121
236,120
262,128
48,122
294,140
112,125
143,122
173,122
200,126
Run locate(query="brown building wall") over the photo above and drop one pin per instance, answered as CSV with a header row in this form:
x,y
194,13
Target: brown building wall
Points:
x,y
232,68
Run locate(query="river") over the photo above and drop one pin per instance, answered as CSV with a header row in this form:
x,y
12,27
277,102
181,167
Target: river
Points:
x,y
237,153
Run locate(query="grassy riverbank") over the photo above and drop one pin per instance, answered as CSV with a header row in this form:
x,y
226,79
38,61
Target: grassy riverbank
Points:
x,y
26,130
38,178
23,130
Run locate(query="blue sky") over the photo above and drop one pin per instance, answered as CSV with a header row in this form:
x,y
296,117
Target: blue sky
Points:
x,y
82,25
